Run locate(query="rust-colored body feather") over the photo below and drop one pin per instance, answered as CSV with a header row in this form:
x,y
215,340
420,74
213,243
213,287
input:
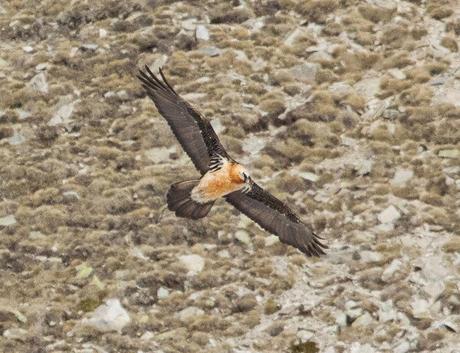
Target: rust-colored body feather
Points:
x,y
214,185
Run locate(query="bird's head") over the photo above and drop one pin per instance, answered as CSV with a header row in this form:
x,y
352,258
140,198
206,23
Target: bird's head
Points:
x,y
240,175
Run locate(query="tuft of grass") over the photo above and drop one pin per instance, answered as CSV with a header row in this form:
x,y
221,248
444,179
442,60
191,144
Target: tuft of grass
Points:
x,y
450,43
304,347
317,10
376,13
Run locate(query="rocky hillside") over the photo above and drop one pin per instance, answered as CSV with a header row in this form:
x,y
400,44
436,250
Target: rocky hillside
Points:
x,y
349,110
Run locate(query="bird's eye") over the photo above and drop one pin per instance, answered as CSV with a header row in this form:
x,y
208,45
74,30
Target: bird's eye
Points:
x,y
245,176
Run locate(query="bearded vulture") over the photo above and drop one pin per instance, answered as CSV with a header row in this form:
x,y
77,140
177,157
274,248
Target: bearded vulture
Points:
x,y
221,175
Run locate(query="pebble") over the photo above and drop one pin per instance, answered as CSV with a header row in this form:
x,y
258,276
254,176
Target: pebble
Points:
x,y
193,263
305,335
90,46
390,272
397,74
162,293
420,308
308,176
63,113
210,51
243,236
102,33
453,154
23,114
271,240
363,321
17,138
7,220
402,347
305,72
275,329
202,33
402,176
357,347
28,49
340,89
38,83
17,334
353,310
71,196
368,87
160,154
189,313
389,215
387,312
110,316
370,256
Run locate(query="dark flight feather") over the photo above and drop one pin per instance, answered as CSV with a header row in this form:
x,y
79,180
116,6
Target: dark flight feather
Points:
x,y
275,217
194,133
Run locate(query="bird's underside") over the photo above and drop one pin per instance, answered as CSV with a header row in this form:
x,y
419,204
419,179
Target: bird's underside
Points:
x,y
221,176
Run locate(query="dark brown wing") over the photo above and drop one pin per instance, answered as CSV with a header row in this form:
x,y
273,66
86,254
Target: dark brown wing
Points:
x,y
275,217
194,133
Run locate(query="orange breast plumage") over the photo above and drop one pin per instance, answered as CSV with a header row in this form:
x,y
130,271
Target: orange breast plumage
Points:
x,y
218,183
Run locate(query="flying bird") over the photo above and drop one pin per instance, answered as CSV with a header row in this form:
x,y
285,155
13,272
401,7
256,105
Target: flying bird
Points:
x,y
221,175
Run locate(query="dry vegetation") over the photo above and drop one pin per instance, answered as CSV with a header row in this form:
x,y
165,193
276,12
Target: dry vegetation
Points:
x,y
348,109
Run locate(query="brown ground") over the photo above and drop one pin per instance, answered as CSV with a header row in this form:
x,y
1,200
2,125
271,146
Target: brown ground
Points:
x,y
343,108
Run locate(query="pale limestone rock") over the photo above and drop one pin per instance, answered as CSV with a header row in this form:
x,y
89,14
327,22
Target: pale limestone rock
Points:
x,y
389,215
193,263
38,83
243,236
402,176
110,316
8,220
189,313
202,33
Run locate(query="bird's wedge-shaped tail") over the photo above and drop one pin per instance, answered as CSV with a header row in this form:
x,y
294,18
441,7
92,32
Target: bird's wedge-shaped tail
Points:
x,y
180,201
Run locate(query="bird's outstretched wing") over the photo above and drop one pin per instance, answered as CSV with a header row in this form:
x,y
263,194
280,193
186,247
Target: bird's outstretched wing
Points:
x,y
194,133
275,217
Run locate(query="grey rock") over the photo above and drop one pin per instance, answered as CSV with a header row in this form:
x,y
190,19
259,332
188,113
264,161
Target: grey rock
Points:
x,y
210,51
17,138
160,154
189,313
368,87
201,33
17,334
271,240
389,215
162,293
243,236
363,321
193,263
305,72
402,176
370,256
391,271
63,113
38,83
8,220
71,196
397,74
357,347
453,154
352,309
90,46
275,329
110,316
28,49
